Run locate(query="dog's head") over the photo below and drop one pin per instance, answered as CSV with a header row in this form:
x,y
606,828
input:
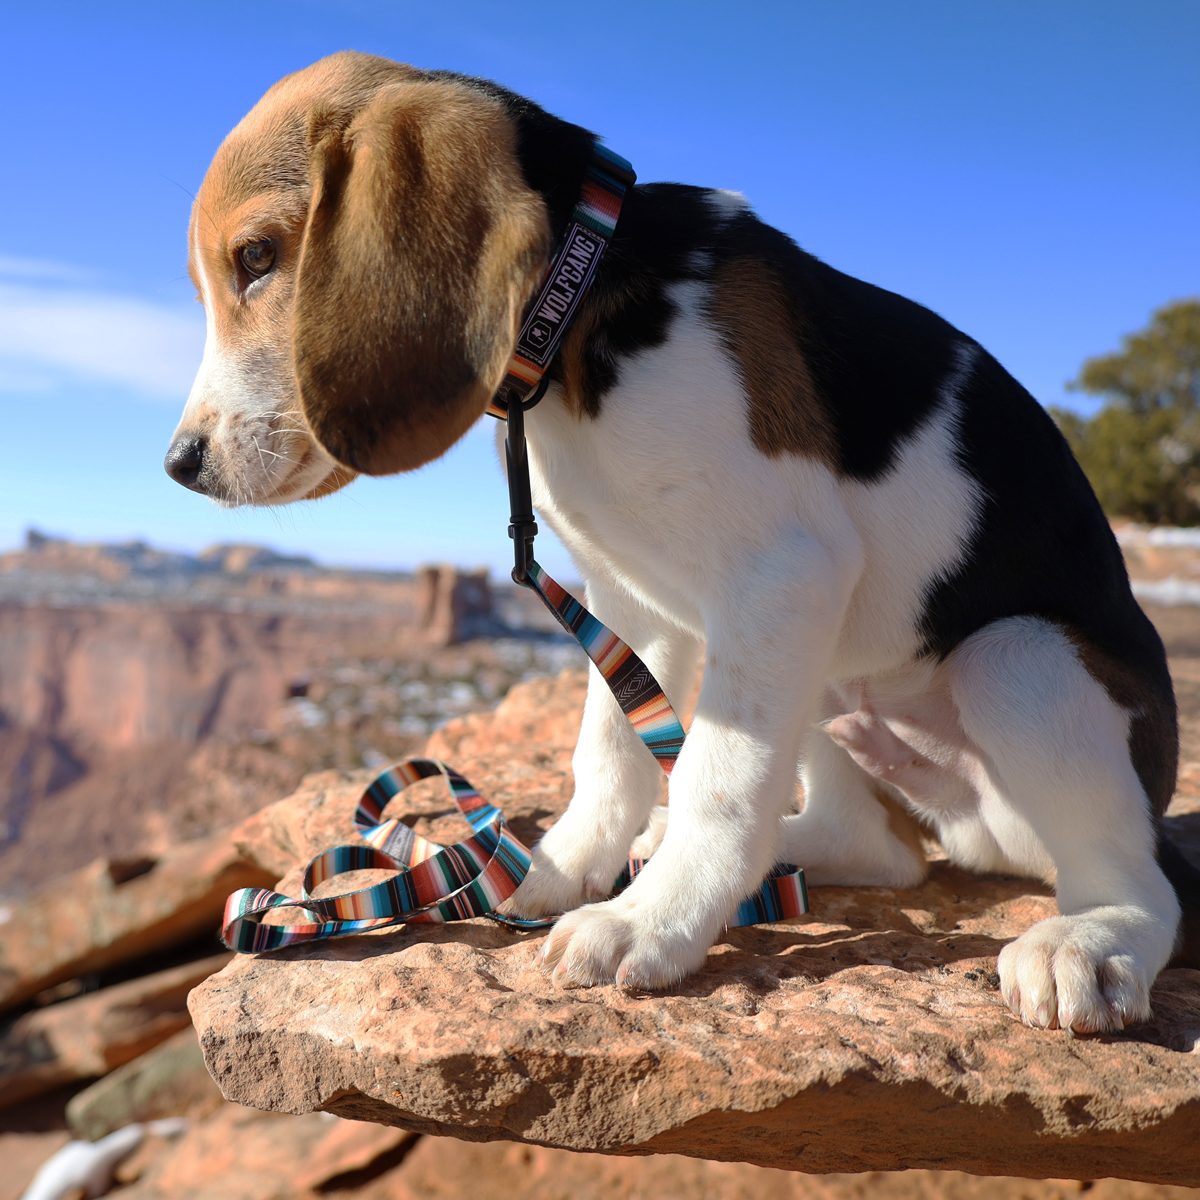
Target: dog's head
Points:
x,y
364,244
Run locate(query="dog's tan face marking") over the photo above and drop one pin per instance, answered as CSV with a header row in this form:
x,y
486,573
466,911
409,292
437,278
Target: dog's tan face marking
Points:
x,y
243,408
363,244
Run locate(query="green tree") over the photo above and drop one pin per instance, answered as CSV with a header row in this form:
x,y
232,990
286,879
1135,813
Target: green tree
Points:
x,y
1141,451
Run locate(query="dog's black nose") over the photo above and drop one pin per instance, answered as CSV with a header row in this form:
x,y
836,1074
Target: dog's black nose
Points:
x,y
185,461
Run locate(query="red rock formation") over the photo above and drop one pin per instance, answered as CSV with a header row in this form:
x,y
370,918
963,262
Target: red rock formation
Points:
x,y
92,1034
102,705
117,678
114,911
453,605
144,694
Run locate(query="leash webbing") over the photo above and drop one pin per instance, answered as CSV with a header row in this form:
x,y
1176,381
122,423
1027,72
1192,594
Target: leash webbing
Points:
x,y
434,883
636,690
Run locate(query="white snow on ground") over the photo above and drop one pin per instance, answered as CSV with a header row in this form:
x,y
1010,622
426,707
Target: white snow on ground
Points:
x,y
1170,592
1175,589
89,1166
1160,535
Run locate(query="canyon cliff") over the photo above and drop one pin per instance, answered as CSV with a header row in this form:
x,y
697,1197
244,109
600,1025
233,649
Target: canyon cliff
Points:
x,y
148,697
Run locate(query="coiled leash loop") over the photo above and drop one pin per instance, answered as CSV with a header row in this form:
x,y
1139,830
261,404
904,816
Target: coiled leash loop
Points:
x,y
433,883
436,883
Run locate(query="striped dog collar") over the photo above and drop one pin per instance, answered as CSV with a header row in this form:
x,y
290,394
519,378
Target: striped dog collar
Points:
x,y
590,229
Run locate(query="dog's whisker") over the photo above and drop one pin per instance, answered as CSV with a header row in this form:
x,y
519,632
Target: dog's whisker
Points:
x,y
260,456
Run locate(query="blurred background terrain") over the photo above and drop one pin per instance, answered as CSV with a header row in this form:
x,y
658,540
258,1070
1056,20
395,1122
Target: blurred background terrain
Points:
x,y
148,698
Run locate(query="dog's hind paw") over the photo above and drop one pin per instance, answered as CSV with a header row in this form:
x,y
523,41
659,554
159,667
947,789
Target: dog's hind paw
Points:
x,y
550,889
649,840
1087,972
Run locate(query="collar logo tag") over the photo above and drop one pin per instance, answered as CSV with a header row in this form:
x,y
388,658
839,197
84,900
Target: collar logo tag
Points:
x,y
564,287
564,291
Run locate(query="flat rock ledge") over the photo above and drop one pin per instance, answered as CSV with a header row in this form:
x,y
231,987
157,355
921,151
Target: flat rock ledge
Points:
x,y
801,1046
866,1036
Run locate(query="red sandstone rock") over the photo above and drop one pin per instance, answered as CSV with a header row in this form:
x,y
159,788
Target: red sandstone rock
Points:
x,y
847,1040
453,605
289,1158
868,1036
319,814
115,678
167,1081
239,1154
103,706
90,1035
113,911
519,756
446,1168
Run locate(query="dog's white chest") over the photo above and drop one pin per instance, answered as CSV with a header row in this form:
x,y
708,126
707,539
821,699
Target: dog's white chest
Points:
x,y
665,495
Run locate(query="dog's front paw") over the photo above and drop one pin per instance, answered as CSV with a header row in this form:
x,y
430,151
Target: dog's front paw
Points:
x,y
617,942
1081,972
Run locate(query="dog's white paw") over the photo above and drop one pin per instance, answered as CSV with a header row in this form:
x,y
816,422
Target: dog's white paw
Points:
x,y
1081,972
649,840
618,942
565,873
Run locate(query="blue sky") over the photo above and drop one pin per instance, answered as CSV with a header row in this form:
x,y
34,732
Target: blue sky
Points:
x,y
1029,170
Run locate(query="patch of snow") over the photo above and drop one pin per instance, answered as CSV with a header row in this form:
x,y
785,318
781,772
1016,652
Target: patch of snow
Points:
x,y
1158,535
89,1166
1171,592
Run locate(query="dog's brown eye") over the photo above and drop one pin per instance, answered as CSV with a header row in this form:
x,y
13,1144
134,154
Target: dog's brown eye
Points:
x,y
258,257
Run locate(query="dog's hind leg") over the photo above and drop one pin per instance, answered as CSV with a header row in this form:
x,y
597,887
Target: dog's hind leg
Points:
x,y
1055,747
617,781
852,832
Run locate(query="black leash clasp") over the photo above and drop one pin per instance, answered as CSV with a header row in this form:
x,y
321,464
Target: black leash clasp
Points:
x,y
522,527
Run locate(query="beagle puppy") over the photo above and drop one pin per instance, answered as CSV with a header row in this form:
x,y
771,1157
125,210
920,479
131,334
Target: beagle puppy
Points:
x,y
901,582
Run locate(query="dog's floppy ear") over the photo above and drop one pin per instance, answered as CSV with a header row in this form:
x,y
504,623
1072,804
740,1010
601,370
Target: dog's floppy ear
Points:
x,y
422,246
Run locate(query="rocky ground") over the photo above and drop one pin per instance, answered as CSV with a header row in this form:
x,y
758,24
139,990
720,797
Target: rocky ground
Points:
x,y
867,1035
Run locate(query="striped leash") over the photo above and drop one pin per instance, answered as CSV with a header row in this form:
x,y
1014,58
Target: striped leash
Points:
x,y
434,883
